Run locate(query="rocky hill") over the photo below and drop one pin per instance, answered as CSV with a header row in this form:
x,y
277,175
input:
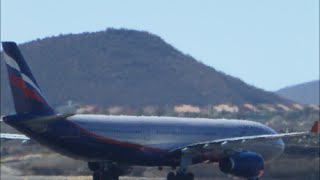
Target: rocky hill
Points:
x,y
127,68
305,93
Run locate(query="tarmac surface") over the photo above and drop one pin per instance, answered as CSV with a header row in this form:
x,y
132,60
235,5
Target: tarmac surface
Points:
x,y
8,173
69,178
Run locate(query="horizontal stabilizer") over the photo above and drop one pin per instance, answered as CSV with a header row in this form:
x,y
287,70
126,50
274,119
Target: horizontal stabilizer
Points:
x,y
13,136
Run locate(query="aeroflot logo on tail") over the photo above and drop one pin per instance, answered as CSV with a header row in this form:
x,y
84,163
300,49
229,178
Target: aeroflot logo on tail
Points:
x,y
20,82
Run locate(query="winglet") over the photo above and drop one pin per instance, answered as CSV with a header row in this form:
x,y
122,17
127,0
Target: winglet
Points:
x,y
315,127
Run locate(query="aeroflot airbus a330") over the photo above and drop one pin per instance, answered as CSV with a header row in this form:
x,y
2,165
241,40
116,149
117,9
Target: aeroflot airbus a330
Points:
x,y
106,142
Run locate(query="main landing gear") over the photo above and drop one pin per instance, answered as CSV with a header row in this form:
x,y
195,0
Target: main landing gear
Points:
x,y
104,171
180,176
186,160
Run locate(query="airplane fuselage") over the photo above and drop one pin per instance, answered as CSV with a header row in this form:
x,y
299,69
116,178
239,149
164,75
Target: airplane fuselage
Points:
x,y
145,140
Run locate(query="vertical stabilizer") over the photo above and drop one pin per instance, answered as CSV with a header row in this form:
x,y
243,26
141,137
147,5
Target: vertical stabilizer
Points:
x,y
26,93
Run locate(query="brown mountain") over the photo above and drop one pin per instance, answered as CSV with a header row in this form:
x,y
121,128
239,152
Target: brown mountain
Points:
x,y
127,67
304,93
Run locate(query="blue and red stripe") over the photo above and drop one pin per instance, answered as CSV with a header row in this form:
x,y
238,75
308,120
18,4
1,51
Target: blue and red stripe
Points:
x,y
27,90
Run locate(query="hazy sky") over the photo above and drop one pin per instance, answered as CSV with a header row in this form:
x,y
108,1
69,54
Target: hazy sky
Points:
x,y
266,43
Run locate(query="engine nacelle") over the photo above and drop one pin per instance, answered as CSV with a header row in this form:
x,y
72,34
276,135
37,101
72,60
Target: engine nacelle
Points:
x,y
244,164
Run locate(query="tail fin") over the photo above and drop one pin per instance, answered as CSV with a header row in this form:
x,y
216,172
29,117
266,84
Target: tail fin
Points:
x,y
26,93
315,127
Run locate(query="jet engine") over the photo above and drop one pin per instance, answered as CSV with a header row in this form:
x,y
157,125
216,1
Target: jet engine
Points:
x,y
243,164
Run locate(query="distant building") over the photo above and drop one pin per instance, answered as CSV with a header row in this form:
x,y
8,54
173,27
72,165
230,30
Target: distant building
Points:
x,y
185,108
120,110
87,109
149,110
268,107
314,107
283,107
226,108
297,106
115,110
250,107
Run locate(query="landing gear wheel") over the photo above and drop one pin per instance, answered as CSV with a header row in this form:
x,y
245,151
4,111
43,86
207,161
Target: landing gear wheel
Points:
x,y
93,166
180,176
96,175
104,171
189,176
171,176
114,173
115,177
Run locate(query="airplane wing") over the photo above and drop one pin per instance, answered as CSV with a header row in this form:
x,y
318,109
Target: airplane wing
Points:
x,y
234,142
9,136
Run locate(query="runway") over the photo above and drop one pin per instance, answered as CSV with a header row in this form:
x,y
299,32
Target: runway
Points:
x,y
69,178
8,173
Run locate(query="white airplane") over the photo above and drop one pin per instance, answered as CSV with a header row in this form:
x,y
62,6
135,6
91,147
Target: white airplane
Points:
x,y
106,142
